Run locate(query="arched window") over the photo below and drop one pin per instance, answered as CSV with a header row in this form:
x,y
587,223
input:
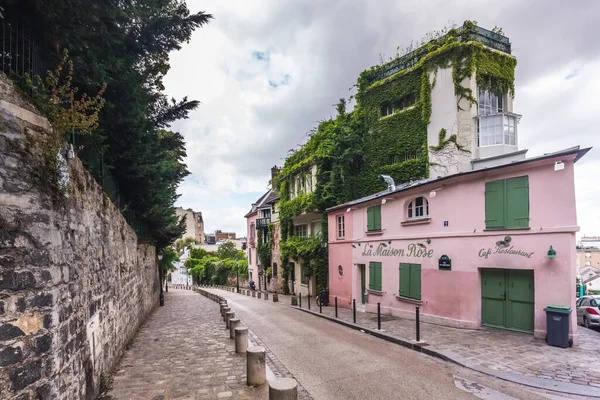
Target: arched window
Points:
x,y
418,208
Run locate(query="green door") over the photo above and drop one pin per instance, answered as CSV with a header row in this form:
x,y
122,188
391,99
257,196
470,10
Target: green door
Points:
x,y
362,283
507,299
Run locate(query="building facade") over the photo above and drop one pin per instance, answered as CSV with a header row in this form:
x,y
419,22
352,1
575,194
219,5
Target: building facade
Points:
x,y
180,275
479,248
220,235
194,224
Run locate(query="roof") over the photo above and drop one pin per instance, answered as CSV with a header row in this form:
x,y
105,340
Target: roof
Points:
x,y
268,198
413,184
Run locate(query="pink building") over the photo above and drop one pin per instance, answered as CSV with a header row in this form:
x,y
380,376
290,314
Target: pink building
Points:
x,y
486,247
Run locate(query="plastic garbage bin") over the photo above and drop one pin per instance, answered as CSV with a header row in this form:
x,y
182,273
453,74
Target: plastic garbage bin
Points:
x,y
557,326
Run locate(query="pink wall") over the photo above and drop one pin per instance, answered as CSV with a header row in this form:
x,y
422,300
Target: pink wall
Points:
x,y
454,297
252,266
340,253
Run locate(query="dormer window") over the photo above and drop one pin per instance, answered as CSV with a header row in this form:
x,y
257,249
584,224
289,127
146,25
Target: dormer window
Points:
x,y
418,208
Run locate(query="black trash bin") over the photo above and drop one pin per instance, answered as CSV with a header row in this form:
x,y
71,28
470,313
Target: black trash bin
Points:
x,y
557,326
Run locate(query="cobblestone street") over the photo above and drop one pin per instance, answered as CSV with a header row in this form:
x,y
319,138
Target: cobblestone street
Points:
x,y
182,352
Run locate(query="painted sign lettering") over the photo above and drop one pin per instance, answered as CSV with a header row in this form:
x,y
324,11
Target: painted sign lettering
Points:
x,y
485,253
412,250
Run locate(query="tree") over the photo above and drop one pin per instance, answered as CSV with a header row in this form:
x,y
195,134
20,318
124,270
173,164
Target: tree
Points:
x,y
227,250
184,243
125,44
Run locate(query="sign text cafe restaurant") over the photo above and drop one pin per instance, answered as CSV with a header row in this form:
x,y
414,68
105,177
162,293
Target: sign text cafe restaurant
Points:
x,y
489,247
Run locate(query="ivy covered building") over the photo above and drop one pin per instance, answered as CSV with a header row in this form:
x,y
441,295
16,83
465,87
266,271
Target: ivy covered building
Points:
x,y
443,108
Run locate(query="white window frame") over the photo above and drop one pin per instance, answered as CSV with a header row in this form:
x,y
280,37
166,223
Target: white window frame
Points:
x,y
341,227
490,103
414,211
305,230
312,224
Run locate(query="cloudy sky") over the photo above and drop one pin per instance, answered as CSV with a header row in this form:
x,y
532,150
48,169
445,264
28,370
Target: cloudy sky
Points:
x,y
267,71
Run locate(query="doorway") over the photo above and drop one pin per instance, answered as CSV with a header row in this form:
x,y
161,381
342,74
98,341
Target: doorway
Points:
x,y
507,299
363,284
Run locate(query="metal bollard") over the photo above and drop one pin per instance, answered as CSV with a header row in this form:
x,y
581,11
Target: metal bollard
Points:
x,y
417,321
300,300
321,307
283,389
336,307
256,371
308,300
354,310
228,316
379,316
225,311
233,323
275,298
241,339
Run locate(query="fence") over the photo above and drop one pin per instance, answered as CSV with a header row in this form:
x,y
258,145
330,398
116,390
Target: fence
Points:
x,y
21,50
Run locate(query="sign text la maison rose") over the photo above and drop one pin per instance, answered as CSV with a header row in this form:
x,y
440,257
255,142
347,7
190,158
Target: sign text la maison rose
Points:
x,y
412,250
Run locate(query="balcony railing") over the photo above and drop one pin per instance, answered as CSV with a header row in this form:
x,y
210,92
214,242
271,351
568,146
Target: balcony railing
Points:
x,y
263,223
465,34
497,129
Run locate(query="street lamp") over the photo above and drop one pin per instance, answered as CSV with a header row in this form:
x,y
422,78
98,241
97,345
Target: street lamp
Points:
x,y
237,276
162,295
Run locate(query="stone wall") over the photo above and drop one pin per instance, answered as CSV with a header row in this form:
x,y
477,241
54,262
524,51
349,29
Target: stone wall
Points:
x,y
274,284
75,284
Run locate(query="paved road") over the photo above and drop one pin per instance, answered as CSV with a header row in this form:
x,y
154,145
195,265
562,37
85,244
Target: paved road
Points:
x,y
334,362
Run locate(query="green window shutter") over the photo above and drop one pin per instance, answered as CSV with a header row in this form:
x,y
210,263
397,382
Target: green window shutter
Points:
x,y
372,276
370,221
415,281
517,202
494,205
378,276
404,280
377,218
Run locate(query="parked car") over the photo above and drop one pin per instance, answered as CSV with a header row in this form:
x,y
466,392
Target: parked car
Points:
x,y
588,311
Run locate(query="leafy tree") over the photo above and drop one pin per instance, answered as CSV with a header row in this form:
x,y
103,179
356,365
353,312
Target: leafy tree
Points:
x,y
185,242
227,250
125,45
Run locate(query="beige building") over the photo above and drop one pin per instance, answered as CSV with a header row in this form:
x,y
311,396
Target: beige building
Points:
x,y
589,257
194,224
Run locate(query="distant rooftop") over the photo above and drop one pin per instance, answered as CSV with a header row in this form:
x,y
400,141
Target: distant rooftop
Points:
x,y
466,33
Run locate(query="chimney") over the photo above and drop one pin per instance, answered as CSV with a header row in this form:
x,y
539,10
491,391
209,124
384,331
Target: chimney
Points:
x,y
275,170
391,186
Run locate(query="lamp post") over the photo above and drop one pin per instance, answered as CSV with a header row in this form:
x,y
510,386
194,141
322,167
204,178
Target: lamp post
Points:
x,y
162,295
237,276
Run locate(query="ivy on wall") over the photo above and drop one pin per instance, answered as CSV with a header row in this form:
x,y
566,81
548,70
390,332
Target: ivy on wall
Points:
x,y
353,148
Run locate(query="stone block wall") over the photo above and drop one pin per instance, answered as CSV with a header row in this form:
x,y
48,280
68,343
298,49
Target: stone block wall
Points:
x,y
75,284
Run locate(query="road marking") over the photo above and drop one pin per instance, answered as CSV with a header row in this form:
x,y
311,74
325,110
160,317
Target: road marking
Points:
x,y
478,390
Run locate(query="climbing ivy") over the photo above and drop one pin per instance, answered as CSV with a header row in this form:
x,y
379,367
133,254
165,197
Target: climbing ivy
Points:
x,y
351,149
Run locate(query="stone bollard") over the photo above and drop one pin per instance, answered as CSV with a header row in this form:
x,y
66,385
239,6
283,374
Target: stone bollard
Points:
x,y
294,301
275,298
256,371
233,323
283,389
222,306
225,311
241,339
253,293
266,296
259,294
228,316
247,292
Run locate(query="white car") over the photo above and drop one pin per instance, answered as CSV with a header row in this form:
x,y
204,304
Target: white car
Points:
x,y
588,312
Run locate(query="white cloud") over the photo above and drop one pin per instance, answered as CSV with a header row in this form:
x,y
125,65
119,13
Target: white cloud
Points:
x,y
316,51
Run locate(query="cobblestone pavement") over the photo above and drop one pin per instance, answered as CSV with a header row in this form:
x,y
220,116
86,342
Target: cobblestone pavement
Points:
x,y
184,351
491,348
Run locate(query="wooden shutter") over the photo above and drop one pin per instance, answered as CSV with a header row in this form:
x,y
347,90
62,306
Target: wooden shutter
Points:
x,y
372,276
415,281
404,280
517,202
378,276
377,218
494,204
370,220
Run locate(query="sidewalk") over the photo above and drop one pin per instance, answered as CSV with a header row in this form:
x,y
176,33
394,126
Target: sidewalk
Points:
x,y
182,352
497,350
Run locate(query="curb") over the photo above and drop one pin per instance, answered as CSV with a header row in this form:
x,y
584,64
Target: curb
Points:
x,y
539,383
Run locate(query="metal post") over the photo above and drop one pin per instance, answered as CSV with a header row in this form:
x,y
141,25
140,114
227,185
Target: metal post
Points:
x,y
308,299
378,316
166,286
300,300
237,277
336,307
161,298
418,324
354,309
321,306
